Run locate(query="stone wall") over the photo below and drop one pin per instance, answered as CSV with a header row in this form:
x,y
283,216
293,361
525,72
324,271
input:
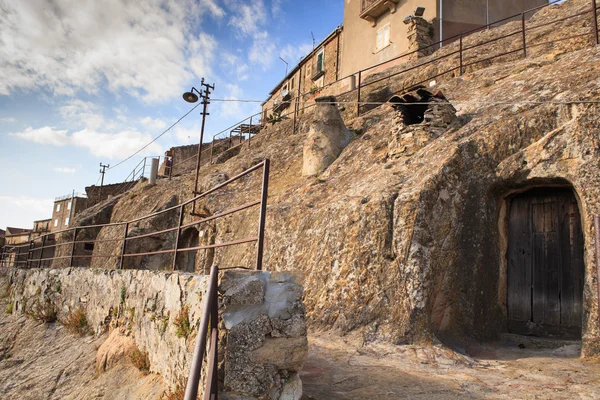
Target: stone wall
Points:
x,y
97,194
264,342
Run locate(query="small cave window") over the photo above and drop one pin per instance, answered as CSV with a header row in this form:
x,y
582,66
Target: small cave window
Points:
x,y
88,246
413,105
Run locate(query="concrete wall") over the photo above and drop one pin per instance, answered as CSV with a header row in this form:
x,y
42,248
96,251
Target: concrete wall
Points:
x,y
263,331
360,37
359,51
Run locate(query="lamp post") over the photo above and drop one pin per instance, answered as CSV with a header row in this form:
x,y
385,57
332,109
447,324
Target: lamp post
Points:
x,y
191,97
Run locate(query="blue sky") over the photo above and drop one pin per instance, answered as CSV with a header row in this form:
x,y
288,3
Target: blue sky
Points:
x,y
92,81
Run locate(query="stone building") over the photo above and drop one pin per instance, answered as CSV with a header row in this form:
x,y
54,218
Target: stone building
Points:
x,y
319,68
379,31
2,237
41,227
65,208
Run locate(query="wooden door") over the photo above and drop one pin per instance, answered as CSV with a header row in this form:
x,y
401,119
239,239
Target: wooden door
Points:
x,y
545,264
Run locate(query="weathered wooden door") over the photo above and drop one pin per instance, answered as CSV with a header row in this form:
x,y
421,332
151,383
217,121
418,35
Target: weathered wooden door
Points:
x,y
545,264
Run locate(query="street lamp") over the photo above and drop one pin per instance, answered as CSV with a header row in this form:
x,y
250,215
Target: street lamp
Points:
x,y
190,96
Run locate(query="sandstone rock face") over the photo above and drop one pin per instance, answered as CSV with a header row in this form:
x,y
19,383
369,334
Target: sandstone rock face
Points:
x,y
266,343
263,341
326,138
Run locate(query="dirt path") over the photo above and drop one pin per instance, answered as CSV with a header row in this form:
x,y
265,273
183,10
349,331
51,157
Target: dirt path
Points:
x,y
340,368
43,361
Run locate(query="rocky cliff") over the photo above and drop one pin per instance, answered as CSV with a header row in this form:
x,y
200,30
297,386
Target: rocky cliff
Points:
x,y
403,236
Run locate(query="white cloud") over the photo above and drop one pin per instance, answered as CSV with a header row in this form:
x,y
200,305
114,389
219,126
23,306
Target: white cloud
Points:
x,y
8,120
230,109
263,50
136,47
65,170
248,16
293,54
202,54
82,113
99,144
153,123
21,211
45,135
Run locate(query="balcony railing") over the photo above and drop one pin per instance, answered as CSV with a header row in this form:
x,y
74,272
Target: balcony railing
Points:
x,y
318,70
373,9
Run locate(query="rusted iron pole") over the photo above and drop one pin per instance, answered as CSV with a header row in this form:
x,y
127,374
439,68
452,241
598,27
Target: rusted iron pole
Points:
x,y
461,53
358,97
212,389
73,246
250,131
524,35
177,235
597,229
595,13
263,215
191,390
41,251
124,247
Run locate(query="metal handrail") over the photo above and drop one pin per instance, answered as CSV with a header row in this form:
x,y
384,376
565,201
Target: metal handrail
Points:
x,y
210,315
259,238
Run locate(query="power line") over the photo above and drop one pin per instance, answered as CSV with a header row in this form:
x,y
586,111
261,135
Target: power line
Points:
x,y
156,138
430,103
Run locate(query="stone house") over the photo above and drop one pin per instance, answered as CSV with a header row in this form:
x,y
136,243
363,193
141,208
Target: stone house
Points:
x,y
65,208
319,68
2,238
41,227
377,32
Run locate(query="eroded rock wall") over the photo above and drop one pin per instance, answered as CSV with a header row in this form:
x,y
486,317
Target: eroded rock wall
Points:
x,y
161,312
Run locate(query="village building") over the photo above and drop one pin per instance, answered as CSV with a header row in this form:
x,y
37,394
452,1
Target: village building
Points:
x,y
41,227
378,32
65,208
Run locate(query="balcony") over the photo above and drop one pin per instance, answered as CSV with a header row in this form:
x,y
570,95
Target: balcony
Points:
x,y
283,101
318,70
370,10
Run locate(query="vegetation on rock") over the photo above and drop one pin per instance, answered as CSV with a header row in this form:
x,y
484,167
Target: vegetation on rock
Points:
x,y
182,323
76,322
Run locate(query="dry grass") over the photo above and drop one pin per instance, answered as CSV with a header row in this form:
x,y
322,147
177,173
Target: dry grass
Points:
x,y
76,322
45,313
182,323
140,360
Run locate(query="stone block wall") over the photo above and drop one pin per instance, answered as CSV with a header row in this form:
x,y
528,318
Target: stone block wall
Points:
x,y
263,331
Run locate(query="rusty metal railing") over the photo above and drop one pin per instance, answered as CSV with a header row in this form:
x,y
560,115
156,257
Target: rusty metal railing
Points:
x,y
34,254
209,316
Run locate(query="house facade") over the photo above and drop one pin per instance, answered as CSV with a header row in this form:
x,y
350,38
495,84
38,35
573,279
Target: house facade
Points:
x,y
65,208
377,31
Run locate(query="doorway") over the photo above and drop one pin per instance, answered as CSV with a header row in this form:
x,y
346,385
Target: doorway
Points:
x,y
545,266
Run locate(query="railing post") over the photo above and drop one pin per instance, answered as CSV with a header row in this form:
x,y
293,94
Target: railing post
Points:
x,y
461,53
41,251
213,358
358,97
263,215
250,132
595,13
597,229
191,390
144,167
73,247
124,247
524,36
179,222
29,255
212,144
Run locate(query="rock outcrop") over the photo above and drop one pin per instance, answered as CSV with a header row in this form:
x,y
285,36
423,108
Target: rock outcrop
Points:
x,y
264,331
327,136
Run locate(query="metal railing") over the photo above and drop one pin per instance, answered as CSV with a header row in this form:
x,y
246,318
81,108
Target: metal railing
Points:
x,y
460,55
209,316
32,254
365,4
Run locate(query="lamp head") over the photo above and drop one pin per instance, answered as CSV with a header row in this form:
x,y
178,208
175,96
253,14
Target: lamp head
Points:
x,y
420,11
190,97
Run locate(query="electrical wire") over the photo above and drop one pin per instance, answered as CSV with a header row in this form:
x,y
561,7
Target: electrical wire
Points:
x,y
492,103
156,138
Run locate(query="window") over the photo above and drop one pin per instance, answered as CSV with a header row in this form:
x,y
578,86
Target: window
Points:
x,y
292,85
88,246
58,207
55,222
321,60
69,206
383,37
67,221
